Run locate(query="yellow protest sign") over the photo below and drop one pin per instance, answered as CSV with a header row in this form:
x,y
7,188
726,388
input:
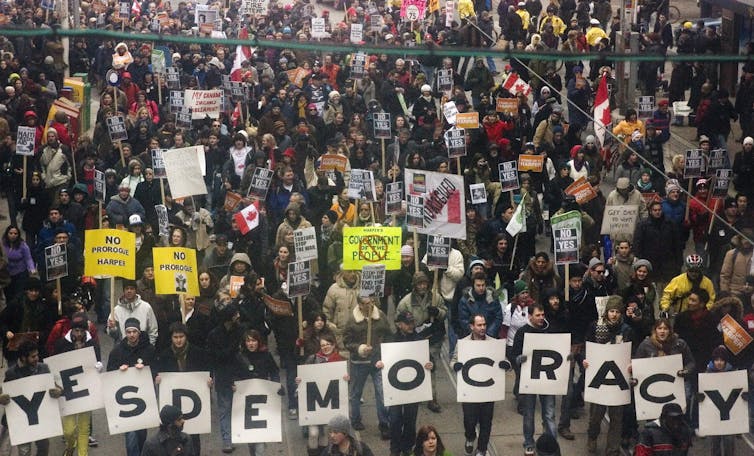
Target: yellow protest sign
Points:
x,y
366,245
175,271
110,253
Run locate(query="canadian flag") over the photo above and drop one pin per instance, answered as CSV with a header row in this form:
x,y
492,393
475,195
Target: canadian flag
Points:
x,y
235,117
136,8
515,84
602,115
247,218
243,53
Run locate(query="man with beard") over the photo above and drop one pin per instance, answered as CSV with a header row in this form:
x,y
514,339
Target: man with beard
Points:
x,y
170,439
428,308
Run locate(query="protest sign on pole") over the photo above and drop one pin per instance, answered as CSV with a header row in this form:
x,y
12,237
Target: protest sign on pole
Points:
x,y
299,278
606,378
375,22
99,186
305,243
358,63
162,219
735,337
508,172
137,407
455,142
393,198
158,166
158,61
260,183
566,229
116,128
468,120
445,80
405,380
318,29
444,201
184,172
545,370
438,251
531,163
175,270
364,245
357,33
372,280
620,220
25,139
415,211
722,181
480,379
718,159
478,193
204,103
508,106
582,190
450,111
26,424
361,185
657,385
255,412
693,165
322,393
723,411
56,260
110,253
193,402
645,106
382,127
177,100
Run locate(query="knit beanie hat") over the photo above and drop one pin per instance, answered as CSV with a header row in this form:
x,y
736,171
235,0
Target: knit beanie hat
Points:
x,y
419,276
614,302
407,250
132,322
342,424
519,287
332,215
642,262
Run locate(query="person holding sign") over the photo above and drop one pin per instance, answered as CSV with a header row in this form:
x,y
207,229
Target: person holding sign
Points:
x,y
254,361
720,362
403,417
131,307
56,169
27,365
427,307
132,351
170,439
612,330
670,432
366,329
28,316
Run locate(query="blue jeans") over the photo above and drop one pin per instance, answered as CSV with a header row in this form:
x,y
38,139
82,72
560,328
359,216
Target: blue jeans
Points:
x,y
359,374
224,403
402,427
135,442
529,402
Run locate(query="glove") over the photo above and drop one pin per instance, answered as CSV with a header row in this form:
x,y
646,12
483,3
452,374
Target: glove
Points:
x,y
745,396
504,364
433,312
520,359
633,381
700,397
569,357
281,391
55,392
299,342
457,366
98,366
4,399
683,373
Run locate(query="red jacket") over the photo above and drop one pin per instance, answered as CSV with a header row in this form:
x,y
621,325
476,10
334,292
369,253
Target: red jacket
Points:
x,y
496,131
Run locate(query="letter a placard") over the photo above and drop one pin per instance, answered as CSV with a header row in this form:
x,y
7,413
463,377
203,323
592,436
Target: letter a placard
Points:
x,y
322,393
606,379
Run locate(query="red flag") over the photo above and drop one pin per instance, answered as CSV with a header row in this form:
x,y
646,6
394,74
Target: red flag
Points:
x,y
602,115
247,218
243,53
235,118
136,8
514,84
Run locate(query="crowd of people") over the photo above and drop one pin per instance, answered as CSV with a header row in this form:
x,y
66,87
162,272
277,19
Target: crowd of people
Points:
x,y
495,286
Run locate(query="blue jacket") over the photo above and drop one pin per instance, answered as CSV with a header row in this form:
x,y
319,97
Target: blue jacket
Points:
x,y
486,305
674,212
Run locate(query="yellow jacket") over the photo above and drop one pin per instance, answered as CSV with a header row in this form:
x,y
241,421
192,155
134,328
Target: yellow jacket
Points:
x,y
558,26
465,9
675,294
627,128
525,17
594,34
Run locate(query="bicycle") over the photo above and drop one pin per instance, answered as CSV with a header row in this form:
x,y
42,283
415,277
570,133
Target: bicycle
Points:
x,y
674,14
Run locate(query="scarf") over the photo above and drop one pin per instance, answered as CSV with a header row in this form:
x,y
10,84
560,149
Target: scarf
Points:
x,y
577,165
180,356
331,358
663,348
643,187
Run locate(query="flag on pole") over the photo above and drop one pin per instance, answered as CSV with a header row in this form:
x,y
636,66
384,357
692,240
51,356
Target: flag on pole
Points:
x,y
602,115
247,218
514,84
136,8
235,117
517,223
243,53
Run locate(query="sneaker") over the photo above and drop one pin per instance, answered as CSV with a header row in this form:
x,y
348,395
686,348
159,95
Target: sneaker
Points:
x,y
434,406
566,433
228,448
529,451
92,441
292,414
468,447
358,426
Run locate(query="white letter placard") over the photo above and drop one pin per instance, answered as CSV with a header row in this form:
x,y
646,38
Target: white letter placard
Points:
x,y
255,415
75,372
130,401
607,376
32,414
189,392
322,393
480,379
723,411
404,378
658,385
546,368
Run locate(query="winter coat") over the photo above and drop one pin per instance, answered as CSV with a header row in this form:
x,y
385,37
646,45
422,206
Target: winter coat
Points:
x,y
165,444
355,335
650,347
57,170
66,344
677,290
41,317
197,359
123,353
655,440
633,198
243,258
700,333
299,223
487,305
119,210
258,364
450,276
736,266
659,241
538,282
141,310
339,302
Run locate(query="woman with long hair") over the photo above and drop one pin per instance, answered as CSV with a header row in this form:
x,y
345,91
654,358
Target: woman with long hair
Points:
x,y
429,443
20,263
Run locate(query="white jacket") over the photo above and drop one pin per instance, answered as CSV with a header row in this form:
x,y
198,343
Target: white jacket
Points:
x,y
451,276
141,310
